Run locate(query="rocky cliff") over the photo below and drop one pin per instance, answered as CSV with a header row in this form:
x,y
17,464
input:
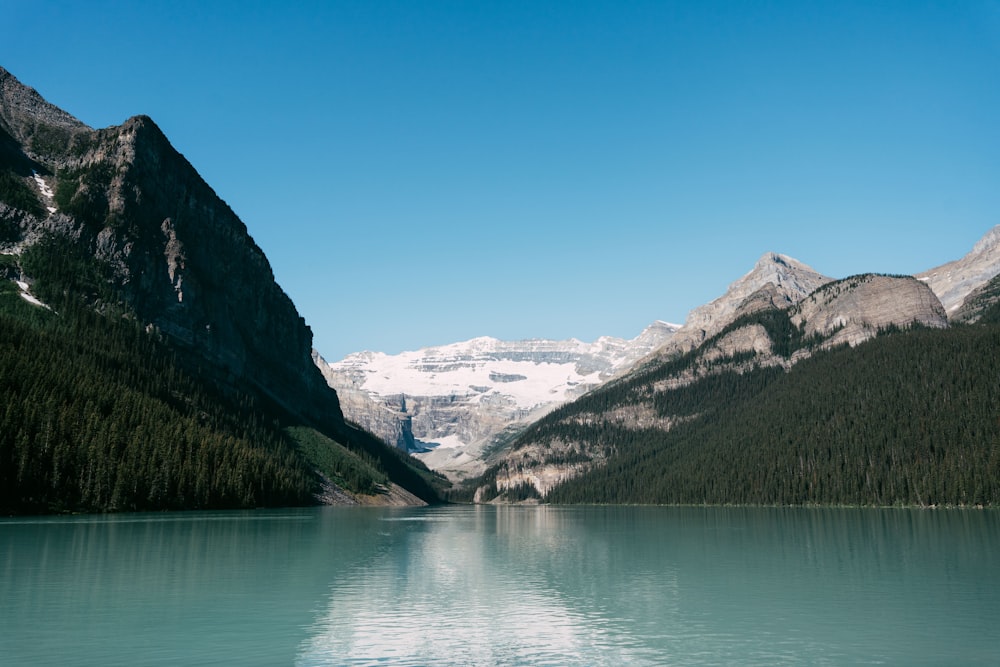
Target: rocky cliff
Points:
x,y
955,281
383,418
982,303
855,309
179,258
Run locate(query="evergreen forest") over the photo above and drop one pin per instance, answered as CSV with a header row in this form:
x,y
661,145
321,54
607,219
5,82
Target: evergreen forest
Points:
x,y
908,418
101,415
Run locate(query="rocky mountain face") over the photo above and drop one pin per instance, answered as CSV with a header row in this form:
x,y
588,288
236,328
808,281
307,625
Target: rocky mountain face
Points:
x,y
180,258
840,312
32,131
455,403
120,225
775,281
855,309
980,303
391,425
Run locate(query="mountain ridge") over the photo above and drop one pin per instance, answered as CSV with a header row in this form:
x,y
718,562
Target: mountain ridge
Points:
x,y
775,280
172,244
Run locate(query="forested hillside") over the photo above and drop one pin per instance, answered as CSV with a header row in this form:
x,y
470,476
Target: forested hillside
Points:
x,y
99,415
909,418
167,368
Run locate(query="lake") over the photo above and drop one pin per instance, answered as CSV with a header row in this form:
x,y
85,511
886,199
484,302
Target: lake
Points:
x,y
503,586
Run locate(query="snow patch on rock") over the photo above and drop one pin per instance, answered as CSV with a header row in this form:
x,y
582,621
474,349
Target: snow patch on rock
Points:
x,y
46,191
27,296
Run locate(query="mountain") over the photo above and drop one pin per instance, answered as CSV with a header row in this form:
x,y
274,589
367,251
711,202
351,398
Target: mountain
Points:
x,y
117,222
456,404
751,341
179,257
775,281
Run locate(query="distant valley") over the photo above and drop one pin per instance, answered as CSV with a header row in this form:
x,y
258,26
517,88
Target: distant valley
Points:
x,y
454,406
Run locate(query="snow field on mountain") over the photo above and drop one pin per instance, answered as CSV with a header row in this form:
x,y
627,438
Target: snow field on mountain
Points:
x,y
461,396
419,375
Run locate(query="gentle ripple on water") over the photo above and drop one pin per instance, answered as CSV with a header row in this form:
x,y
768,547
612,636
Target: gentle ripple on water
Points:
x,y
502,586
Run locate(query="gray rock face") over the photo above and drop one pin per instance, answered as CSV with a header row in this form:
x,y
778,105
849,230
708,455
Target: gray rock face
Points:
x,y
853,310
182,260
751,338
955,281
453,404
385,419
776,281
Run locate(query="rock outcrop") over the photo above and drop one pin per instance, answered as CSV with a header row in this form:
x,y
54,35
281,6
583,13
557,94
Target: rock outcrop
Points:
x,y
982,301
955,281
855,309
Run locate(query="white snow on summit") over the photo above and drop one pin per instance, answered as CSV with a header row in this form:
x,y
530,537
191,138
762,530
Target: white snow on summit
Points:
x,y
458,397
476,369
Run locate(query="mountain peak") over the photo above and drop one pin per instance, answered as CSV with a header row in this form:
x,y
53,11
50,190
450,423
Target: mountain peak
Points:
x,y
181,259
769,258
774,281
773,266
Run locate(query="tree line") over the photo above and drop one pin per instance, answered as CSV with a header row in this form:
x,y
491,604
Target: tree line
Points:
x,y
911,418
100,415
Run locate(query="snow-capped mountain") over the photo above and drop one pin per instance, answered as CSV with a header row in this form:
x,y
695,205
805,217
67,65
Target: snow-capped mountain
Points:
x,y
453,401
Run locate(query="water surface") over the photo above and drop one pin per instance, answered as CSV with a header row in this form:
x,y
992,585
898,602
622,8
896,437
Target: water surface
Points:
x,y
503,586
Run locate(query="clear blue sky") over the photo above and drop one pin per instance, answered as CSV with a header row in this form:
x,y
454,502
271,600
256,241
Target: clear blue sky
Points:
x,y
424,172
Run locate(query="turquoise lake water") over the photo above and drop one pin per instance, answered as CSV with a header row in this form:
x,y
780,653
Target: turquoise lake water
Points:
x,y
503,586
